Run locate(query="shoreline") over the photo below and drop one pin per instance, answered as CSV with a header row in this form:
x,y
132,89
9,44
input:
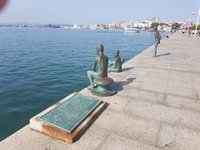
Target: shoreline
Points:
x,y
157,105
85,89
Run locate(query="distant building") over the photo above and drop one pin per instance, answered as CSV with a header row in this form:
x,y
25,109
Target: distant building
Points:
x,y
102,27
170,22
142,25
164,28
66,27
76,26
123,24
85,27
93,27
151,20
114,26
98,27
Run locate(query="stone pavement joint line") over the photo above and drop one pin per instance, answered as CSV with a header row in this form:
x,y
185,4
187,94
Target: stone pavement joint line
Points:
x,y
157,106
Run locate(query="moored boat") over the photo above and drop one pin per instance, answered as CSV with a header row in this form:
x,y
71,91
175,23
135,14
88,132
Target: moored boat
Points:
x,y
132,29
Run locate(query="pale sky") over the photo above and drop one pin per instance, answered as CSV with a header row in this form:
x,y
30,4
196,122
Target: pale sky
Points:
x,y
95,11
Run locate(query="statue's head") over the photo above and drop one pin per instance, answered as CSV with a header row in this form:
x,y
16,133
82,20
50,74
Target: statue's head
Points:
x,y
100,48
117,52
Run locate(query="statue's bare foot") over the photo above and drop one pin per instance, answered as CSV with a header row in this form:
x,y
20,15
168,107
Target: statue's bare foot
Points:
x,y
94,86
90,87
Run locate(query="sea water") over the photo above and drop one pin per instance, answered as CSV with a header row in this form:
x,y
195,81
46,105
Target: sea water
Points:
x,y
39,66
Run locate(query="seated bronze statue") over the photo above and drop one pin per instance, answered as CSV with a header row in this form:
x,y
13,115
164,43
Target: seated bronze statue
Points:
x,y
98,77
116,64
100,66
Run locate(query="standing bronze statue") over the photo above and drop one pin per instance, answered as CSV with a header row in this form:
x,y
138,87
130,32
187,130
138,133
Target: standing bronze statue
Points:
x,y
157,39
116,64
99,80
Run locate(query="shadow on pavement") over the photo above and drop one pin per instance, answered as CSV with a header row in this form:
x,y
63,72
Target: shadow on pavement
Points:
x,y
127,69
163,54
118,86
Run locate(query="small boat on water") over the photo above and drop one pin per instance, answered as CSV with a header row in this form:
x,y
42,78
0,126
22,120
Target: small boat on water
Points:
x,y
131,29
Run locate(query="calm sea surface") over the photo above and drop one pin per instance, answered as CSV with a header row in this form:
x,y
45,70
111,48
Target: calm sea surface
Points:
x,y
38,67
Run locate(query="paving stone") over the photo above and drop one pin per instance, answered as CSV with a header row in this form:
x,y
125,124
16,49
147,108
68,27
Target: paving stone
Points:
x,y
190,119
186,92
184,103
115,142
178,138
153,87
92,139
130,126
27,139
145,95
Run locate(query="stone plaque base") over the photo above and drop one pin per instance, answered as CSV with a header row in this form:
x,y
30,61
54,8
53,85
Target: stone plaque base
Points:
x,y
58,122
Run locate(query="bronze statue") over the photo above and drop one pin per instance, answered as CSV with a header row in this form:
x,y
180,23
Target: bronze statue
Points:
x,y
100,66
117,63
99,80
157,39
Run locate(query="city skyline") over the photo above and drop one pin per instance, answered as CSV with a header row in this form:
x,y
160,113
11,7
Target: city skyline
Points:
x,y
95,12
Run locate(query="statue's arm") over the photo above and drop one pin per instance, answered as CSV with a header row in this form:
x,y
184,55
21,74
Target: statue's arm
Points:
x,y
110,63
116,64
159,36
123,60
95,64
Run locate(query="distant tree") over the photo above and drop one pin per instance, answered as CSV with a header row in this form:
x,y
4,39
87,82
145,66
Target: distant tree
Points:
x,y
176,25
154,25
164,24
193,27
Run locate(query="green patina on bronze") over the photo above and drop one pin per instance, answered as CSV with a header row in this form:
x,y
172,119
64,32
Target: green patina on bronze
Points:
x,y
71,113
100,66
98,77
116,64
157,39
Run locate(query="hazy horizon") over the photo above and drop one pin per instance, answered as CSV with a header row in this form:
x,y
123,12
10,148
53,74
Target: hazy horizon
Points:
x,y
95,12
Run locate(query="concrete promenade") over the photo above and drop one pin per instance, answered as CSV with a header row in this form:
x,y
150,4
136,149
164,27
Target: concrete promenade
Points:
x,y
157,106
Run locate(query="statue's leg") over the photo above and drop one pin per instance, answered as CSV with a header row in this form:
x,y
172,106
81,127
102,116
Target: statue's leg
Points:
x,y
155,49
91,75
113,70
